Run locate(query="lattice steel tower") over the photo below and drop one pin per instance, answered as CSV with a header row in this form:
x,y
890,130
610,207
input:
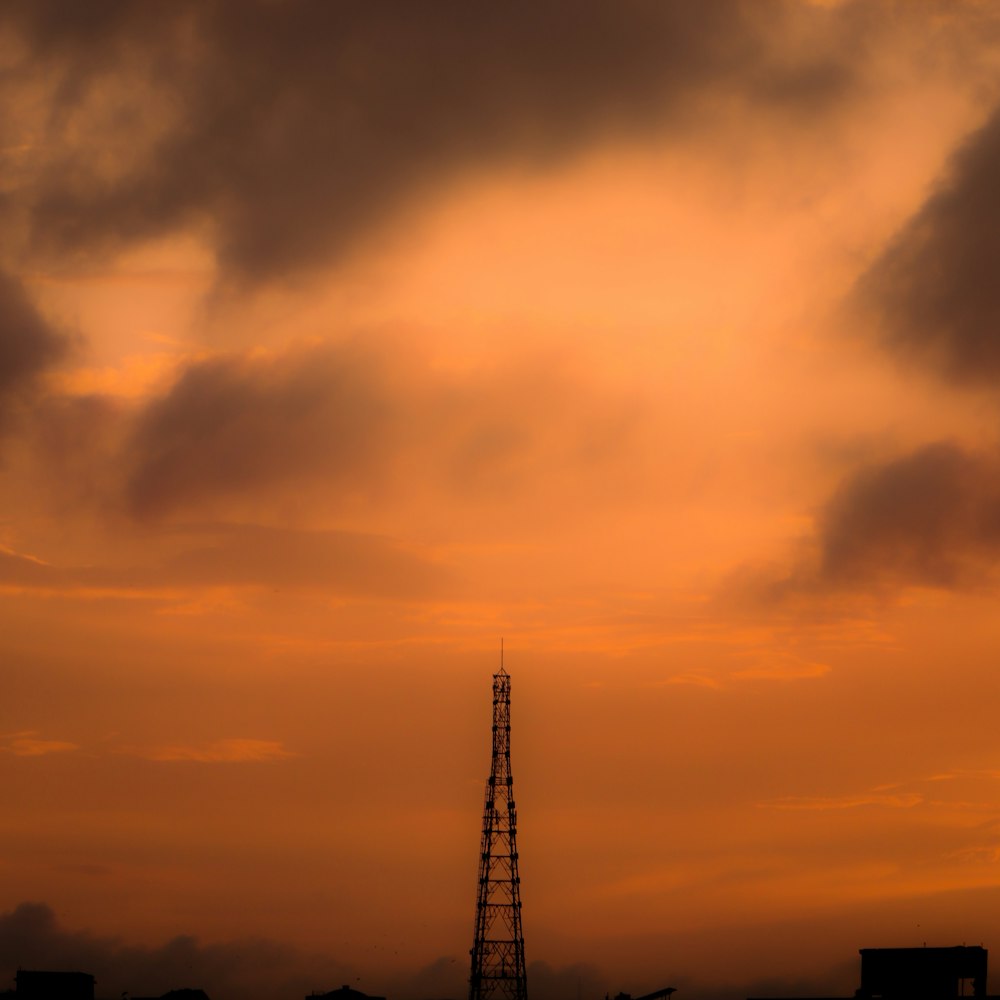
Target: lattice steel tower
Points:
x,y
498,946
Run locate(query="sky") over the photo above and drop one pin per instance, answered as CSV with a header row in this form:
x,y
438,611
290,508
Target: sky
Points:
x,y
338,342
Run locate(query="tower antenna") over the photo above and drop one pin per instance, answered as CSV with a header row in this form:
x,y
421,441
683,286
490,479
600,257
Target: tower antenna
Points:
x,y
498,971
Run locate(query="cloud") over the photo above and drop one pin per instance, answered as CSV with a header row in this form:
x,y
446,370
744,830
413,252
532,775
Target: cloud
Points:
x,y
782,668
774,666
930,518
30,937
28,346
962,790
361,422
231,424
250,556
934,289
279,557
821,803
289,131
231,751
444,977
24,571
837,981
569,982
695,680
29,744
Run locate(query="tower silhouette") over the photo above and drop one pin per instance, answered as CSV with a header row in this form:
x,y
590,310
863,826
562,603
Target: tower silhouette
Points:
x,y
498,946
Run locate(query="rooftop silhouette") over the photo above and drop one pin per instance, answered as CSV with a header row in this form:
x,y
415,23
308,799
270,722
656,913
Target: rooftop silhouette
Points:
x,y
42,985
922,973
344,993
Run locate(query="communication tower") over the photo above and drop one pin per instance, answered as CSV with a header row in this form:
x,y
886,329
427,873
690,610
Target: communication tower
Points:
x,y
498,946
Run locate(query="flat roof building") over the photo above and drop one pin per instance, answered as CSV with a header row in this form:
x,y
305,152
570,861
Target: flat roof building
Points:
x,y
923,973
38,985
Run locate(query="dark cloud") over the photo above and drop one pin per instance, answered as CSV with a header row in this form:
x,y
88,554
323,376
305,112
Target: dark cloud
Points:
x,y
447,976
935,289
361,422
928,519
31,938
233,424
72,449
345,427
28,345
292,129
568,982
838,981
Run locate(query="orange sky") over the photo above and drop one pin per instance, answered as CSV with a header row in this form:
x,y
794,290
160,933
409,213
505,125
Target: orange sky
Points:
x,y
337,342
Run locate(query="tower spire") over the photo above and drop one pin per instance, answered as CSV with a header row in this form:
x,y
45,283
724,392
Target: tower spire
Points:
x,y
498,971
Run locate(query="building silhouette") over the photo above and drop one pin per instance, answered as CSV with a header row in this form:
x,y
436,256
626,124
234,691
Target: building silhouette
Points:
x,y
344,993
923,973
43,985
39,985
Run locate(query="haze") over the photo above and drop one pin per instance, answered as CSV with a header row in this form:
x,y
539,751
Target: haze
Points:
x,y
338,341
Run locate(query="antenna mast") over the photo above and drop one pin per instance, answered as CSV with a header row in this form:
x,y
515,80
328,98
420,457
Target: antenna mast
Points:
x,y
498,971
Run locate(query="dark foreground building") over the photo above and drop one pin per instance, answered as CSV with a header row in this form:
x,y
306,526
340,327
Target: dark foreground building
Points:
x,y
53,985
75,986
923,973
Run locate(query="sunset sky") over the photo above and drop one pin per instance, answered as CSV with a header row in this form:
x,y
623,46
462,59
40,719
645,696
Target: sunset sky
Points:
x,y
339,340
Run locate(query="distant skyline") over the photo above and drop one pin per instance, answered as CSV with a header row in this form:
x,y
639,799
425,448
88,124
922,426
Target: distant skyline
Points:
x,y
338,340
